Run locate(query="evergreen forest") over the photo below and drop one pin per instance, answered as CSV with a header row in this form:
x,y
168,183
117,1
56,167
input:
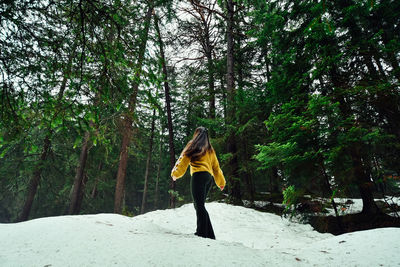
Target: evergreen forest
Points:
x,y
99,97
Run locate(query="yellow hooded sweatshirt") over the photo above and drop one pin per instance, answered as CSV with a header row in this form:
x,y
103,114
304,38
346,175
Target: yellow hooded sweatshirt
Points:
x,y
208,162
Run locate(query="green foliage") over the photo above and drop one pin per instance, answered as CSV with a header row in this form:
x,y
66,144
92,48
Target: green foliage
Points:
x,y
176,194
321,112
290,198
128,213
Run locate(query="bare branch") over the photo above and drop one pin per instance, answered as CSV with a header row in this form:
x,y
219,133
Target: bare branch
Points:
x,y
207,8
188,59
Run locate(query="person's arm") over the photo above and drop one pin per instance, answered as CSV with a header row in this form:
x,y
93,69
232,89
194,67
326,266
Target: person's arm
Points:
x,y
218,174
180,167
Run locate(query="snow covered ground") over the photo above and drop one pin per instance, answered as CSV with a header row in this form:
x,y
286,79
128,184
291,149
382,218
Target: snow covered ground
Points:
x,y
351,206
245,237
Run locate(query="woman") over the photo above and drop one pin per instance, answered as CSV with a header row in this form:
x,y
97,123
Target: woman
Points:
x,y
200,155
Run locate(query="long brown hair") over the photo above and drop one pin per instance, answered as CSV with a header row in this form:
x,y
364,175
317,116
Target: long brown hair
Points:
x,y
199,145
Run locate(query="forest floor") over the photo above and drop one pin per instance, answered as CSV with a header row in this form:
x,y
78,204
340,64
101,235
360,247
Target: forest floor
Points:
x,y
245,237
318,212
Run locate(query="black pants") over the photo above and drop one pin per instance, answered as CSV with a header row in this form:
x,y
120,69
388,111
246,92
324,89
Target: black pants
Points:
x,y
200,184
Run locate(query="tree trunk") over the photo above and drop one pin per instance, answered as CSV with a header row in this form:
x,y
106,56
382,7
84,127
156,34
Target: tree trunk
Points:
x,y
81,193
169,115
224,98
267,67
364,183
34,181
189,113
94,192
148,161
230,78
211,83
211,87
247,174
234,180
157,195
329,189
274,181
78,181
128,119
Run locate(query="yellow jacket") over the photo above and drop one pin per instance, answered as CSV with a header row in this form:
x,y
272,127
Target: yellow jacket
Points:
x,y
208,162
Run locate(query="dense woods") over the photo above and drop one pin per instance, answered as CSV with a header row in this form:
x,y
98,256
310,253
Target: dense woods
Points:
x,y
98,98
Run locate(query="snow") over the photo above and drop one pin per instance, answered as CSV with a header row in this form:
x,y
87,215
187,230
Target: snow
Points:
x,y
355,205
245,237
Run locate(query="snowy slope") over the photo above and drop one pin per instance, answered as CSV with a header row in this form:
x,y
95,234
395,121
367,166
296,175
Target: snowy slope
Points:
x,y
245,237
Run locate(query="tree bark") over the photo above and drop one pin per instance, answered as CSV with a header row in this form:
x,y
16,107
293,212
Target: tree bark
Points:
x,y
364,183
94,192
224,98
247,173
34,181
230,77
169,114
81,193
148,161
157,195
211,85
128,118
234,180
208,50
274,181
78,181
